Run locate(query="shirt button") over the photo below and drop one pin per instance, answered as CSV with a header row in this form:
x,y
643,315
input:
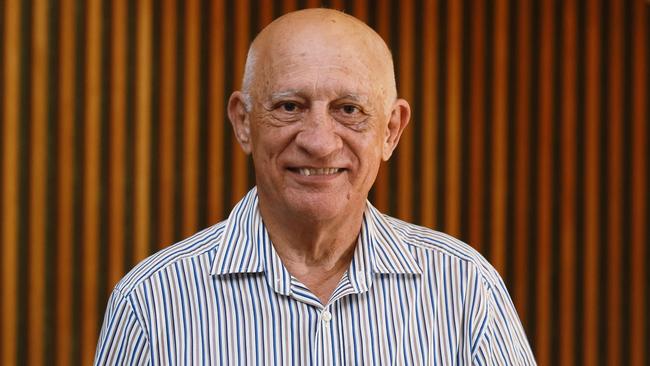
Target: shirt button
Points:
x,y
326,316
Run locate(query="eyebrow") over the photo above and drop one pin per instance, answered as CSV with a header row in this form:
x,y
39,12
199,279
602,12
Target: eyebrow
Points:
x,y
284,94
297,93
354,97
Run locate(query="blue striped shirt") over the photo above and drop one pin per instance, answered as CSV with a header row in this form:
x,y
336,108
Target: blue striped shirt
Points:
x,y
412,296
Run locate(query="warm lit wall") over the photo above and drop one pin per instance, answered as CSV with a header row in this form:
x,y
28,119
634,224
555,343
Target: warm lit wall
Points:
x,y
529,141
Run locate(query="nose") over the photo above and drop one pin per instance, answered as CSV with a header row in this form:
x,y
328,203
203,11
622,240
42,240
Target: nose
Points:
x,y
317,135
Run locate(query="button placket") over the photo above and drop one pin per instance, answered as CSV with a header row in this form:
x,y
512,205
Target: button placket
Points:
x,y
324,340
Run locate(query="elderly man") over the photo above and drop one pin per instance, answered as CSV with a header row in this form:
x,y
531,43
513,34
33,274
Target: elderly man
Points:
x,y
304,270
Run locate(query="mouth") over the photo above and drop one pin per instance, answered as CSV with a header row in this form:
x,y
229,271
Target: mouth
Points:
x,y
307,172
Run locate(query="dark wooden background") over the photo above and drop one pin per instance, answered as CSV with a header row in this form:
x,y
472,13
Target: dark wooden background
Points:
x,y
529,141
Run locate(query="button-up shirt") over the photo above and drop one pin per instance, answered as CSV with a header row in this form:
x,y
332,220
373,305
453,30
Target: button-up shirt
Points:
x,y
411,296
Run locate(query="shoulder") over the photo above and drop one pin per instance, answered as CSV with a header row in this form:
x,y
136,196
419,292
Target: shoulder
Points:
x,y
204,242
431,245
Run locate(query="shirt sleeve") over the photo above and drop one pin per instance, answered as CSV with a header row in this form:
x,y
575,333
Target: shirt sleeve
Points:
x,y
500,339
122,340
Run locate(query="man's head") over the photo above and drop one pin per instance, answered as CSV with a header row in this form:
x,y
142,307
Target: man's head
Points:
x,y
318,112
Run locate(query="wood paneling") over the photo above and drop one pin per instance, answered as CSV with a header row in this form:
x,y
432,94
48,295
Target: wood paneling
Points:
x,y
65,320
567,178
639,300
191,122
528,140
38,181
592,188
91,179
11,162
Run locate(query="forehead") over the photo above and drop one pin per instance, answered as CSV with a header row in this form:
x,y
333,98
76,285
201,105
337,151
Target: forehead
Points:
x,y
311,68
324,78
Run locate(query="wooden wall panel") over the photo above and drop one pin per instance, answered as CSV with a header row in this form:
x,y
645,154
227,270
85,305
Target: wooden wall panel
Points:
x,y
528,140
190,127
167,124
37,183
453,91
477,129
567,178
614,190
427,194
216,111
65,320
521,291
11,162
639,299
592,191
543,175
91,178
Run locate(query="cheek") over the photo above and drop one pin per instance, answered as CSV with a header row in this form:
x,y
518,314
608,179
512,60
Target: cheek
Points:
x,y
368,152
269,141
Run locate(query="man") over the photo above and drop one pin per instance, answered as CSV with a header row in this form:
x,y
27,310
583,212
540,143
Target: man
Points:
x,y
305,271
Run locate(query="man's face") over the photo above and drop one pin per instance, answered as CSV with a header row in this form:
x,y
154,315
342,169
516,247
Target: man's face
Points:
x,y
318,128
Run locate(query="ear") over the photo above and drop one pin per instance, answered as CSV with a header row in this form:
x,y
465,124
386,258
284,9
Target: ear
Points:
x,y
399,118
239,118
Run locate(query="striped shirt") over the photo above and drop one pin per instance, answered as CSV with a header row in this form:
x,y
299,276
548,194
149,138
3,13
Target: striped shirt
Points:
x,y
412,296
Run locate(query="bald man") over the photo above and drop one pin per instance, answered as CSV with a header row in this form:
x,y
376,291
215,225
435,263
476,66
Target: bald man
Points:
x,y
305,271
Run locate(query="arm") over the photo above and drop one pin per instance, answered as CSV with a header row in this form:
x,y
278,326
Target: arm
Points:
x,y
122,340
499,337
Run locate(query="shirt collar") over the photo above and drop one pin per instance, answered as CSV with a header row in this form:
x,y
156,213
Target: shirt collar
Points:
x,y
387,251
238,251
246,248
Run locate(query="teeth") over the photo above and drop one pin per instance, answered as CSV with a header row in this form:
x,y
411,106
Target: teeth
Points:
x,y
320,171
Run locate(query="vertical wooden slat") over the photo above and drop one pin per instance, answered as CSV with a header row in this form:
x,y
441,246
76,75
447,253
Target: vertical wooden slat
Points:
x,y
167,147
639,295
266,14
544,182
360,10
38,173
289,5
522,162
429,112
592,181
405,90
117,128
614,184
10,166
142,149
216,122
91,180
477,125
499,137
239,159
381,186
65,192
568,186
454,118
339,5
191,118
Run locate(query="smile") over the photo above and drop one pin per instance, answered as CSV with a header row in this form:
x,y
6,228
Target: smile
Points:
x,y
317,171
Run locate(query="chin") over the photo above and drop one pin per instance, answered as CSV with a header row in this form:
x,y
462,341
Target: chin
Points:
x,y
320,206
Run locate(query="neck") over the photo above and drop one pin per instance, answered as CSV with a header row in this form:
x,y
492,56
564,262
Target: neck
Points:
x,y
310,240
316,252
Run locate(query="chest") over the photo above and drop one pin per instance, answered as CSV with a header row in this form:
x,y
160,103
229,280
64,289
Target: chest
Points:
x,y
242,321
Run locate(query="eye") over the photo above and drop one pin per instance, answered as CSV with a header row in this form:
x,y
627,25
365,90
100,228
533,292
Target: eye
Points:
x,y
350,115
350,109
288,107
287,110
